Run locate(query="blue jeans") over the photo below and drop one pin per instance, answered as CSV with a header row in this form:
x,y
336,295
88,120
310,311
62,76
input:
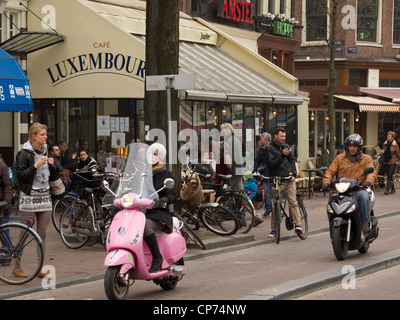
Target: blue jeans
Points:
x,y
363,204
268,205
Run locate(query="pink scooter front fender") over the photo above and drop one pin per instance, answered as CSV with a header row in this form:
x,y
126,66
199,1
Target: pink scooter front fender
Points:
x,y
120,257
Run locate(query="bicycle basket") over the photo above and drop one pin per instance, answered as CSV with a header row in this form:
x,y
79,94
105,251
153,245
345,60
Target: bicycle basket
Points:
x,y
192,193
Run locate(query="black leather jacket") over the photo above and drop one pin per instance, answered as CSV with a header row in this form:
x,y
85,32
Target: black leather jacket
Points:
x,y
25,170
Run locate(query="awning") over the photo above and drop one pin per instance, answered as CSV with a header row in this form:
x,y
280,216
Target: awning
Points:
x,y
368,104
15,92
27,42
220,77
391,94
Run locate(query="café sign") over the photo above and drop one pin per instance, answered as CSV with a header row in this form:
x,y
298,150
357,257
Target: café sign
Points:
x,y
95,63
236,10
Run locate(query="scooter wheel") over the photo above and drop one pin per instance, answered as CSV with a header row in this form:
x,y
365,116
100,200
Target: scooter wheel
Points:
x,y
115,288
339,242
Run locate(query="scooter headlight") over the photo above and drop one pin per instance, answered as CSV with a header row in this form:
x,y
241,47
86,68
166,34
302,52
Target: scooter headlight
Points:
x,y
342,187
127,200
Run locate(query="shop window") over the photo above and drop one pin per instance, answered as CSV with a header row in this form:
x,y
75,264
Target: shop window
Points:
x,y
316,20
367,20
44,112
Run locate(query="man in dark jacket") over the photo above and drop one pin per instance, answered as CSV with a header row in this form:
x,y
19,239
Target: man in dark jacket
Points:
x,y
281,163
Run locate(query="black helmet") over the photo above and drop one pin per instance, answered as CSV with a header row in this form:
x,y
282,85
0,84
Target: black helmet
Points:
x,y
354,139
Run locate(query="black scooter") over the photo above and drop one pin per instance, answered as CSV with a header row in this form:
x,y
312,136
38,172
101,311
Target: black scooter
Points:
x,y
344,218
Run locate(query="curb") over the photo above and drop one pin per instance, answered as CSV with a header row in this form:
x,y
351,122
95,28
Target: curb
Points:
x,y
296,288
239,242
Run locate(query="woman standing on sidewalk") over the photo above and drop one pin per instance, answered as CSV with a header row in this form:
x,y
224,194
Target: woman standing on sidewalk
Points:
x,y
391,155
33,178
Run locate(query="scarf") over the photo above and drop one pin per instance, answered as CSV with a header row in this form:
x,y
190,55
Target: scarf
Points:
x,y
354,158
388,153
158,166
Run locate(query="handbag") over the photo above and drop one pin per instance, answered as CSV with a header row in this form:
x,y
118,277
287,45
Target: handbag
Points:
x,y
57,188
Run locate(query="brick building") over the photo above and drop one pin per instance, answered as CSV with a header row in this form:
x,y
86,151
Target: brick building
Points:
x,y
367,56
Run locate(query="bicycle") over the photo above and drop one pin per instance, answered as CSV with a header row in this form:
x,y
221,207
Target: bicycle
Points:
x,y
59,206
20,244
85,222
215,217
192,239
236,201
279,200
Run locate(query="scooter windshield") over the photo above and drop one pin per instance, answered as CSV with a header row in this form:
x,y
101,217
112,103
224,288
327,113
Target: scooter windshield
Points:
x,y
137,175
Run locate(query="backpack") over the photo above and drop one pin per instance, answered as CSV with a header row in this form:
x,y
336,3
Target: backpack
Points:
x,y
13,176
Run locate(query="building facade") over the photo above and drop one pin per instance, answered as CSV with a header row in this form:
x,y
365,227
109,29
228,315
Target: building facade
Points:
x,y
89,83
366,50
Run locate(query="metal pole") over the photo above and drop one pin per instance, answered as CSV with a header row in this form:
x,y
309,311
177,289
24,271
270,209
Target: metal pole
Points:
x,y
169,79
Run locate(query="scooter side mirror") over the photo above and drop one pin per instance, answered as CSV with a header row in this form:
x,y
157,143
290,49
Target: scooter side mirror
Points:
x,y
169,183
105,185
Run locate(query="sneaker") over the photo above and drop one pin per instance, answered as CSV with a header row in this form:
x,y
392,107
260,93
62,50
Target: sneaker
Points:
x,y
298,229
267,213
271,234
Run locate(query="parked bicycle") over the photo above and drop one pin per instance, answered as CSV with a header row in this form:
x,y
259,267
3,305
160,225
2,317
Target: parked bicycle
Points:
x,y
235,200
278,192
20,244
193,241
214,216
84,221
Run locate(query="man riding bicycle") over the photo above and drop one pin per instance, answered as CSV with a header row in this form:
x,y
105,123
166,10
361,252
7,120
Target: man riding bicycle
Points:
x,y
351,164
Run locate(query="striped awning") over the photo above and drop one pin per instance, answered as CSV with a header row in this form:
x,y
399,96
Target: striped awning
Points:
x,y
378,108
369,104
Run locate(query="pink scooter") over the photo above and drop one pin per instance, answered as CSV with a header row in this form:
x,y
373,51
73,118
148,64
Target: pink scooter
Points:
x,y
128,256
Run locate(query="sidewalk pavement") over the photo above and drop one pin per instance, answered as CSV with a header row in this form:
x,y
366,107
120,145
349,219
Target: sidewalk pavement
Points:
x,y
87,263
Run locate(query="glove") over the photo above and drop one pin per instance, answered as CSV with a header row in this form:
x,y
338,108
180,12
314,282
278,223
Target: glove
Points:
x,y
325,187
162,203
366,184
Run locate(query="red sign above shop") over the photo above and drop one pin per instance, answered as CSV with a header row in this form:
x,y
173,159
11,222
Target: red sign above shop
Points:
x,y
236,10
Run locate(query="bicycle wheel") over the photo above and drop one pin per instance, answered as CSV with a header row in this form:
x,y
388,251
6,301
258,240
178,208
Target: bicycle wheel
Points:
x,y
58,207
192,239
218,219
303,218
73,221
241,205
277,221
21,248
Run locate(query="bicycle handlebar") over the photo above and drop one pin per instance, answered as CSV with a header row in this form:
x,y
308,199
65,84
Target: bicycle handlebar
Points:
x,y
258,175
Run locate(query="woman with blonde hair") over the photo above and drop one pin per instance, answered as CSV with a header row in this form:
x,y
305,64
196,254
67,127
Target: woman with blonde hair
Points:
x,y
33,177
391,154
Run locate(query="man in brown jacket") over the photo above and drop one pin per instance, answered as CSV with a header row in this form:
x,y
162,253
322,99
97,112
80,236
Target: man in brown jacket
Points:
x,y
351,164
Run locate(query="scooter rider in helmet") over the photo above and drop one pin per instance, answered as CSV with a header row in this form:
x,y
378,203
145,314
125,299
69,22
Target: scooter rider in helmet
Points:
x,y
351,164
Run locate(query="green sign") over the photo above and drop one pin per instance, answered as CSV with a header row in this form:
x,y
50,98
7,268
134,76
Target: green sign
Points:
x,y
283,29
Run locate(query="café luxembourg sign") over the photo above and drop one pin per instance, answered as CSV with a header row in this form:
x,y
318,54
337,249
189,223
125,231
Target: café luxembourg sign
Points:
x,y
97,63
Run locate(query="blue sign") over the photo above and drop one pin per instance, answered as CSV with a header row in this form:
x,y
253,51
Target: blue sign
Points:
x,y
15,92
352,49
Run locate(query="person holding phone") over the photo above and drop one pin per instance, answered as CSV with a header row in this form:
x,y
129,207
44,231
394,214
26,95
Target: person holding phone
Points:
x,y
33,178
281,163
